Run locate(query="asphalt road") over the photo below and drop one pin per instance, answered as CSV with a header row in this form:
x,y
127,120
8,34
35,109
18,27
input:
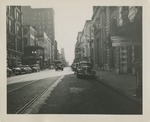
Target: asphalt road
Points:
x,y
87,96
71,95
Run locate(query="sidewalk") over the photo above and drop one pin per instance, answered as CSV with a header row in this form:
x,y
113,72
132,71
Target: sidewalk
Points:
x,y
124,84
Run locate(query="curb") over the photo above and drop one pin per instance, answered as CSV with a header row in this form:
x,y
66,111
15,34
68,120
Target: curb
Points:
x,y
116,89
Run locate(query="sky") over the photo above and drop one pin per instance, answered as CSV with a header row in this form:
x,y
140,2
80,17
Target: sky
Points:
x,y
70,18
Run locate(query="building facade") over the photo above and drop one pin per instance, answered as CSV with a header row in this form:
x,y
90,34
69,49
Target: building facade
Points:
x,y
63,57
78,48
117,40
115,37
99,22
43,20
45,42
55,51
33,52
14,35
116,33
89,37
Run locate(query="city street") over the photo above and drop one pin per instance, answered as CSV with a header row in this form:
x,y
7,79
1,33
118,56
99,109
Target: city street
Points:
x,y
66,95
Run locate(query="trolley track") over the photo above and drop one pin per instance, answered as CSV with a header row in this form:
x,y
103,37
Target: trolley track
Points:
x,y
21,86
24,100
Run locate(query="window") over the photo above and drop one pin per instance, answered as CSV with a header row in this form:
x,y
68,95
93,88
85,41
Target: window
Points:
x,y
17,15
10,26
17,28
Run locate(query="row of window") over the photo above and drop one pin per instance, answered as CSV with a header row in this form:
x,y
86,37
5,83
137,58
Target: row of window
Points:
x,y
41,14
41,22
12,28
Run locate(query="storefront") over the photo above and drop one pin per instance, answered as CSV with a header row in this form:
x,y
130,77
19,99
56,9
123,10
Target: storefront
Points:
x,y
124,54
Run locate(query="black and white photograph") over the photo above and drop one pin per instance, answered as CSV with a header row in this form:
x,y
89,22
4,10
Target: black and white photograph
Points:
x,y
74,59
101,75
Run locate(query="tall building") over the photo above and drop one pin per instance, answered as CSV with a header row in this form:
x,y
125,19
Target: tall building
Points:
x,y
43,20
88,40
63,57
45,42
99,20
78,49
33,51
55,51
14,35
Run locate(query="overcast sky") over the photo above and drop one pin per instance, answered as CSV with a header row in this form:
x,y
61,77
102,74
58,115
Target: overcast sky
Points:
x,y
70,18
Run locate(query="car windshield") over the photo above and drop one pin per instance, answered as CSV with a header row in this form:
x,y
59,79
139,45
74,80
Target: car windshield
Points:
x,y
85,64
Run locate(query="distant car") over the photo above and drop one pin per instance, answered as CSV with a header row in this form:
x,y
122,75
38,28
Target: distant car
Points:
x,y
85,69
9,72
59,65
17,71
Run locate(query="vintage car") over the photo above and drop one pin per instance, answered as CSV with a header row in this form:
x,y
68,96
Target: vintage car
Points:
x,y
85,69
9,72
17,71
75,66
35,67
58,65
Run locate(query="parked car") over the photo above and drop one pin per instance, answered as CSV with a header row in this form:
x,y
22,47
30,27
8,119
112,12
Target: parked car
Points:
x,y
75,66
17,71
35,68
9,72
25,69
85,69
